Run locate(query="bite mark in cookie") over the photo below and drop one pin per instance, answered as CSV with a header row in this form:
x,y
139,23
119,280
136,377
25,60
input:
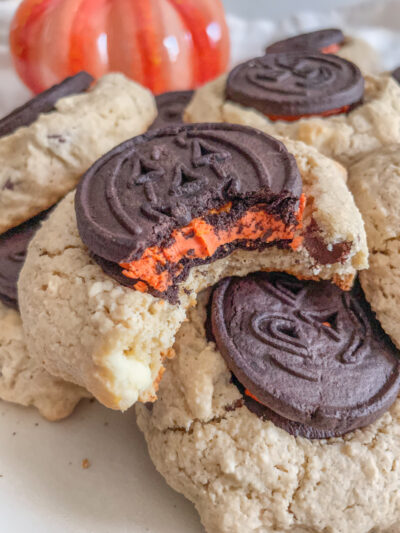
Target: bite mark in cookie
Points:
x,y
313,355
175,198
292,85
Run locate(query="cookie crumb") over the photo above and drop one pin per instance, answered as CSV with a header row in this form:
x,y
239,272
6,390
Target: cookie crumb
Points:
x,y
85,464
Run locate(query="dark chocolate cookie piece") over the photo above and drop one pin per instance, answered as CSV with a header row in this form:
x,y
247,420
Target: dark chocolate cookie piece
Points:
x,y
296,84
44,102
170,108
316,41
311,353
134,196
396,74
294,428
13,247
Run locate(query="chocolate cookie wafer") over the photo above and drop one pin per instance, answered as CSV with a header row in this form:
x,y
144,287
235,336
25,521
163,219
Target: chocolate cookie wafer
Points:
x,y
310,356
44,102
291,85
170,107
175,198
13,247
327,41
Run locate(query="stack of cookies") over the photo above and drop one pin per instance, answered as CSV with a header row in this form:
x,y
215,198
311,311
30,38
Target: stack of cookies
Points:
x,y
207,272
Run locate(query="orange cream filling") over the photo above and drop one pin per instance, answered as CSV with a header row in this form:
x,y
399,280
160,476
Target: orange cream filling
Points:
x,y
248,393
328,113
331,49
200,240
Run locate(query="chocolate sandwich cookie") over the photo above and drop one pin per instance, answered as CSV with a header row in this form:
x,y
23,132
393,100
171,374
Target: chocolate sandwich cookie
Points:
x,y
170,107
396,74
13,247
171,199
291,85
311,357
44,102
326,41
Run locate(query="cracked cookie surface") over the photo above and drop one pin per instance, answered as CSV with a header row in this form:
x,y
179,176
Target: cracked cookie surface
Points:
x,y
24,381
375,183
246,475
44,161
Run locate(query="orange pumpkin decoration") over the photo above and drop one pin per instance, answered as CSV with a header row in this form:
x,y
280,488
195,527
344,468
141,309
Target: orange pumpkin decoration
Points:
x,y
163,44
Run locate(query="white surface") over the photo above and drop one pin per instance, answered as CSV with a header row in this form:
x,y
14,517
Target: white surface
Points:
x,y
43,487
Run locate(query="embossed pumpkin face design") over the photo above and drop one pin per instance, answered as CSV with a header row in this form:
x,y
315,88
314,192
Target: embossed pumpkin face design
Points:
x,y
291,85
293,74
306,350
178,197
304,341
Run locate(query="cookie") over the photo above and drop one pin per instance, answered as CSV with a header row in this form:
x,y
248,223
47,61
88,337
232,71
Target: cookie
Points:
x,y
332,41
162,203
42,162
170,108
290,85
44,102
90,329
245,474
24,381
13,246
326,41
344,137
375,183
291,342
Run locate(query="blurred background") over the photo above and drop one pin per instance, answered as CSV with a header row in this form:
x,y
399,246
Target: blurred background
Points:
x,y
277,9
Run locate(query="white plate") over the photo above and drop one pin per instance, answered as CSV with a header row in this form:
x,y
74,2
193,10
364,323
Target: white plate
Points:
x,y
43,487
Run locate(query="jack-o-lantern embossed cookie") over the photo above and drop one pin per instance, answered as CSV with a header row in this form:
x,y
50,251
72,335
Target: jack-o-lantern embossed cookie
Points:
x,y
159,218
331,41
291,343
316,98
253,451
